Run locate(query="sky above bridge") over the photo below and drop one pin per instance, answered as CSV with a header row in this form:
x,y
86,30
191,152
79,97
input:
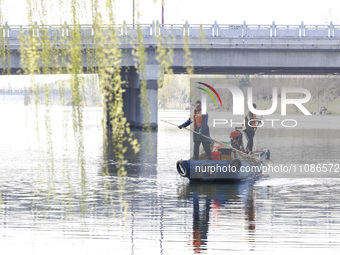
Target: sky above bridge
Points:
x,y
193,11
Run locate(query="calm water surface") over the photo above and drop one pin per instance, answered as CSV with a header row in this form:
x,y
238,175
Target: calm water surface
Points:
x,y
63,210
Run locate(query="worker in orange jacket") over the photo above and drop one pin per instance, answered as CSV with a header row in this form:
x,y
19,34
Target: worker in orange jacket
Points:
x,y
201,127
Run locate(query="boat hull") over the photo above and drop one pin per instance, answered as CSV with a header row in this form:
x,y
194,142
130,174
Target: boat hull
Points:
x,y
222,170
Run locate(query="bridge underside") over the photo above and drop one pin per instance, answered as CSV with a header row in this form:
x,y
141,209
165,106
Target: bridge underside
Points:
x,y
236,70
260,70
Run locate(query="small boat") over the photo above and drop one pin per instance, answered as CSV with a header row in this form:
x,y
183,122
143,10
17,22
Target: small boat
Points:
x,y
230,163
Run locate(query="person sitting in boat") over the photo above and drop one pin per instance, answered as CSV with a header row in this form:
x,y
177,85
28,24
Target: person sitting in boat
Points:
x,y
250,121
201,126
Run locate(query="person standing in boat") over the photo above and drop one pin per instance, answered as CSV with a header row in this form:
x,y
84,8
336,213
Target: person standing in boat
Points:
x,y
250,122
201,126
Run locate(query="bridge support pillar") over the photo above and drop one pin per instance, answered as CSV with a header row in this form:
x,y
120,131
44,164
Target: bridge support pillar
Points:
x,y
133,107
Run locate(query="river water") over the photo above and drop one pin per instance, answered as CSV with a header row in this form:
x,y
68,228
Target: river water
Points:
x,y
64,210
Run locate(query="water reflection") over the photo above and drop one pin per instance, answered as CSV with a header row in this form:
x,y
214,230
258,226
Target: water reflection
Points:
x,y
211,203
140,164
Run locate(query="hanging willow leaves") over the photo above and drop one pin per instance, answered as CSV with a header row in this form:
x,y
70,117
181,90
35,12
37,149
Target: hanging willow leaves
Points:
x,y
140,64
2,61
3,33
75,68
110,81
46,61
164,57
8,56
70,47
108,54
189,66
30,60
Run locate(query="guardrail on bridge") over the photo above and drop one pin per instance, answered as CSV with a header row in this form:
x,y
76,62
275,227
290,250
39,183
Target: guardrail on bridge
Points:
x,y
180,30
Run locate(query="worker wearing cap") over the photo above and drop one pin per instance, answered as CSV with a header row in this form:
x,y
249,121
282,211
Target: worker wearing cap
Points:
x,y
201,126
250,121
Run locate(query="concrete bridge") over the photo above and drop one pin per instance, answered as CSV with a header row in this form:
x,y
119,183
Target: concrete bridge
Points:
x,y
215,49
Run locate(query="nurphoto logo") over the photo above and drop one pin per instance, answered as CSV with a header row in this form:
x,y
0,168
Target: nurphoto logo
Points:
x,y
238,99
300,97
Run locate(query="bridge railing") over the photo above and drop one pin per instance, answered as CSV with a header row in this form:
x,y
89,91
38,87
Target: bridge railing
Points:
x,y
233,30
179,30
287,31
336,30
